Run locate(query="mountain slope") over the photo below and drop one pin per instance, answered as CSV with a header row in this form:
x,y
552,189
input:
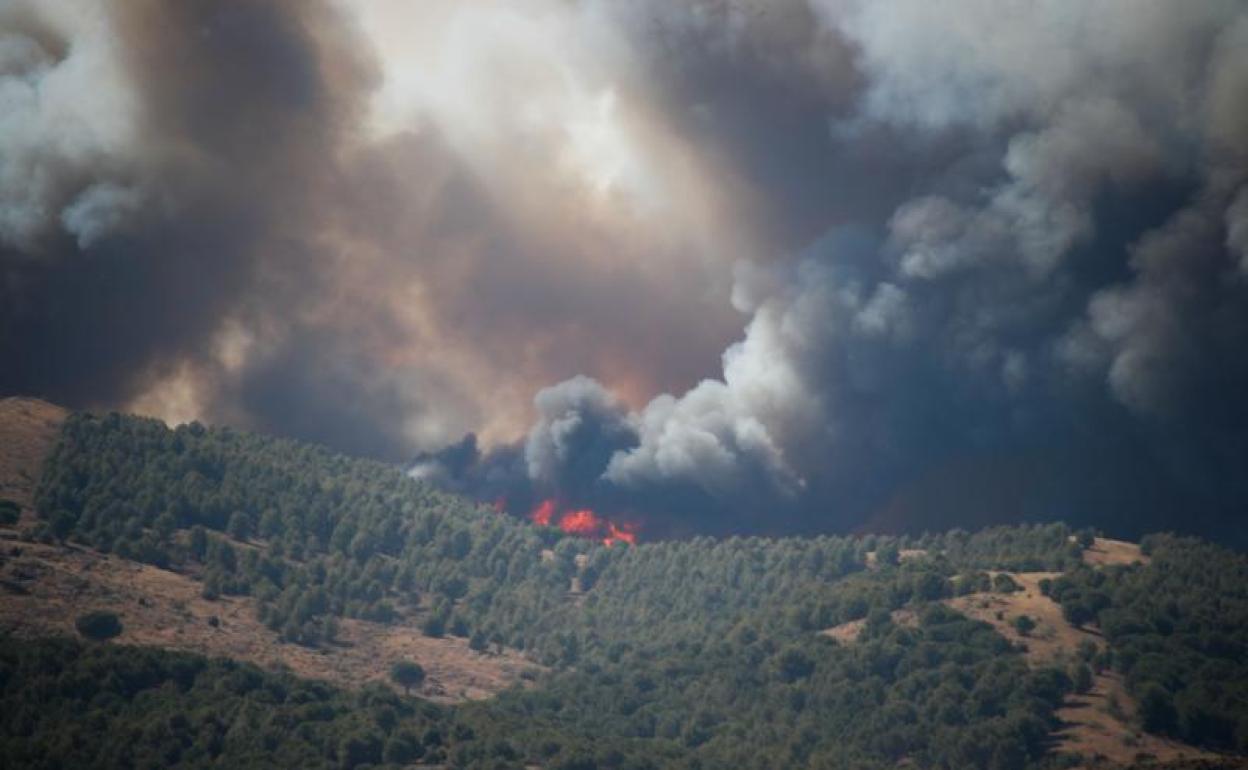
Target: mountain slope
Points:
x,y
696,653
28,430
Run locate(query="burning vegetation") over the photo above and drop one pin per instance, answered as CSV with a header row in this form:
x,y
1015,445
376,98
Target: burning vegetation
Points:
x,y
582,522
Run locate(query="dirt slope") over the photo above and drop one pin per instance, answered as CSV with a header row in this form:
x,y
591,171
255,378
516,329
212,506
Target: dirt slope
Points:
x,y
43,588
1097,724
1105,551
28,430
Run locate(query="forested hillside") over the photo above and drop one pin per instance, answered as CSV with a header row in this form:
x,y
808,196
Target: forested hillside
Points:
x,y
1178,631
700,653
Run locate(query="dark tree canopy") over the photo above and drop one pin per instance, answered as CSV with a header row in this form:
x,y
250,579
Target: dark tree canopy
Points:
x,y
407,674
673,654
99,625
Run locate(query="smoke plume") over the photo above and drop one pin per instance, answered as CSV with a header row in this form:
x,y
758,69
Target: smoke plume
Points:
x,y
789,266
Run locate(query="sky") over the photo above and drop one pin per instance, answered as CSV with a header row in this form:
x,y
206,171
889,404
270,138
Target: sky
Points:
x,y
718,266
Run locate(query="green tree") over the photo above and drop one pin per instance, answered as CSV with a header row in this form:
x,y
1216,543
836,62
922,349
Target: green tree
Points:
x,y
1024,625
98,625
10,512
1003,583
1157,712
62,524
407,675
1082,678
197,542
434,625
888,554
363,748
239,526
478,641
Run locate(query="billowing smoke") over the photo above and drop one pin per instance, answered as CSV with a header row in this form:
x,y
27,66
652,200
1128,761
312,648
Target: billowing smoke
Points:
x,y
282,216
1040,318
981,261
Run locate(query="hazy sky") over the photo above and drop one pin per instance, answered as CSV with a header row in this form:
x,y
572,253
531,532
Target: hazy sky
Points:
x,y
719,266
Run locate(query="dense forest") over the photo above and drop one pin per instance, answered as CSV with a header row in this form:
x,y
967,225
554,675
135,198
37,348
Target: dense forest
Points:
x,y
698,653
74,705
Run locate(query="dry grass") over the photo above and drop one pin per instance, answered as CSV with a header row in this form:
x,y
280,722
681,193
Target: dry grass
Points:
x,y
1096,725
1091,727
28,430
1097,729
848,633
904,554
1052,636
46,587
1105,551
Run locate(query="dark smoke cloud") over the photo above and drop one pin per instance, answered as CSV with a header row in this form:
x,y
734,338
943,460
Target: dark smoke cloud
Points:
x,y
200,219
139,219
1037,317
980,261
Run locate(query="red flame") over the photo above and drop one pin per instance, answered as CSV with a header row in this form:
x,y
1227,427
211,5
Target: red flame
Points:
x,y
625,533
583,522
543,513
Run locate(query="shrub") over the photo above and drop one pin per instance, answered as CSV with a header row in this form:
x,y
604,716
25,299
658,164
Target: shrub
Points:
x,y
407,674
434,626
1082,678
1002,583
99,625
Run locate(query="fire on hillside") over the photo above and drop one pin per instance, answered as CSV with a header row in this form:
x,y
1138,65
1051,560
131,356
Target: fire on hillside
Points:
x,y
581,522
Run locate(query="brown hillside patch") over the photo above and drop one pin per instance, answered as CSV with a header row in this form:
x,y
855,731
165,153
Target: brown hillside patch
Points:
x,y
1052,636
904,554
848,633
28,430
1096,725
1105,551
45,588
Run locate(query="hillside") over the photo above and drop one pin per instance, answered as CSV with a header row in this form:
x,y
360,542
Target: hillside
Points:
x,y
28,430
865,652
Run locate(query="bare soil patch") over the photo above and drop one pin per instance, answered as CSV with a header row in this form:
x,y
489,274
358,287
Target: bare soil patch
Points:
x,y
28,431
1052,636
848,633
904,554
45,588
1097,725
1110,552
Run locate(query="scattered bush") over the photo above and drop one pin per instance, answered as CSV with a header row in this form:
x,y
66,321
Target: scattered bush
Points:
x,y
99,625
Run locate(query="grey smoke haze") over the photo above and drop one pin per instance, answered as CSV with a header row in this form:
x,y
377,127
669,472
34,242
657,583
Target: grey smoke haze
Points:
x,y
715,266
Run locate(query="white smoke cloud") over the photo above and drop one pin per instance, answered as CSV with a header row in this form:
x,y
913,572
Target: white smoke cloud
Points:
x,y
98,211
66,118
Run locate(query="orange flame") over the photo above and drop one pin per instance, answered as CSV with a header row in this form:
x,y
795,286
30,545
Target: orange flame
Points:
x,y
583,522
543,513
625,533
